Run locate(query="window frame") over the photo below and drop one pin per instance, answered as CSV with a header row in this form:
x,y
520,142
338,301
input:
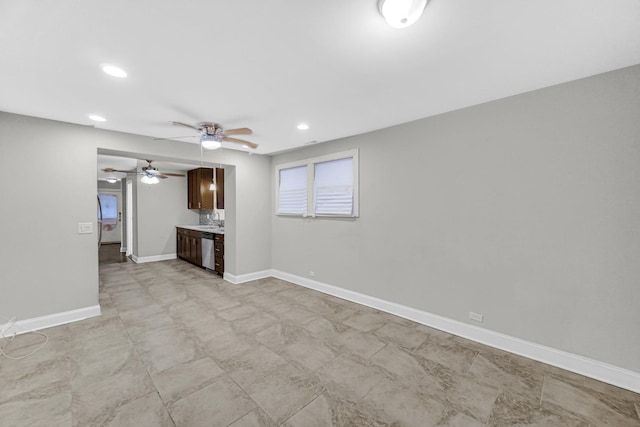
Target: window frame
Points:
x,y
310,163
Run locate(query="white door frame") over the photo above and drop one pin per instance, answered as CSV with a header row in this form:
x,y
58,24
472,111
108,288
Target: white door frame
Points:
x,y
129,219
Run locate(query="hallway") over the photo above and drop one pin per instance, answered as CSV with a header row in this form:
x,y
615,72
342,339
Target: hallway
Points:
x,y
109,253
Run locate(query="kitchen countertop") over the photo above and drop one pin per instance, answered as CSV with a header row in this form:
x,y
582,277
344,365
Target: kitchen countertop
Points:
x,y
208,228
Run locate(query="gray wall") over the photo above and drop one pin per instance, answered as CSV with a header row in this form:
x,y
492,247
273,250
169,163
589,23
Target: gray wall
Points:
x,y
134,214
159,208
526,210
104,185
46,267
256,232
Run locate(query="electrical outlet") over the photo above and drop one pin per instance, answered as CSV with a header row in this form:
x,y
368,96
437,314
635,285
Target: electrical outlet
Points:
x,y
476,316
312,273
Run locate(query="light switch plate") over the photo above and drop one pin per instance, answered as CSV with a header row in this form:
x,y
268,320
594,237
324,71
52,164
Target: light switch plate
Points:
x,y
85,227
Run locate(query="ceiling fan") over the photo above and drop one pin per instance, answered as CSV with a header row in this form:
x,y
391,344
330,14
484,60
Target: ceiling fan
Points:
x,y
150,174
213,134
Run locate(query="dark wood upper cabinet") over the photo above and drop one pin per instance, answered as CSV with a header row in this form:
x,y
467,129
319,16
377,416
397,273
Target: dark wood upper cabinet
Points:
x,y
206,194
220,188
200,195
191,197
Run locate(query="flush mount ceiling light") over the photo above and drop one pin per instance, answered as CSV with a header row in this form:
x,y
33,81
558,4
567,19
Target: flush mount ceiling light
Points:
x,y
97,118
149,179
112,180
209,142
303,126
114,71
401,13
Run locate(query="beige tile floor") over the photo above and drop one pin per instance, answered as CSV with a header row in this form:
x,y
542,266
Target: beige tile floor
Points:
x,y
178,346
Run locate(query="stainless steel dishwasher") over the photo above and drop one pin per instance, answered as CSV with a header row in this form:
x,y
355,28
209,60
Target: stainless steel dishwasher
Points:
x,y
208,253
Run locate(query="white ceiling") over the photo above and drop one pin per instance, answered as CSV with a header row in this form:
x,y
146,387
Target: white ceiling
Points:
x,y
269,65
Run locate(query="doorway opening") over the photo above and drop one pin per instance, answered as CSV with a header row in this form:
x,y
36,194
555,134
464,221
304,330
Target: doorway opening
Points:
x,y
110,209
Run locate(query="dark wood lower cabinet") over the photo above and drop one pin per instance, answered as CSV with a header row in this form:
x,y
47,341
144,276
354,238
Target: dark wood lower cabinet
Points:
x,y
218,247
196,248
189,245
189,248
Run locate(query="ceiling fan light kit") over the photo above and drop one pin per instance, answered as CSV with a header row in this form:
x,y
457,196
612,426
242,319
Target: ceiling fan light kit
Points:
x,y
149,179
209,142
401,13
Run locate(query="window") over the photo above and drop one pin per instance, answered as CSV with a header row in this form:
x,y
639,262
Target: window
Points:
x,y
108,211
293,191
109,204
321,186
333,187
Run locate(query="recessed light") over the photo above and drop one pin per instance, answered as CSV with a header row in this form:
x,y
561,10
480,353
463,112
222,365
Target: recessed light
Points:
x,y
303,126
97,118
401,13
114,71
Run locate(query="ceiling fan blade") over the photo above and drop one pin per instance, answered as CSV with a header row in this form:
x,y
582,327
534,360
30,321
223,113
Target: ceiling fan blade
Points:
x,y
160,175
186,125
174,137
239,131
240,141
110,170
173,174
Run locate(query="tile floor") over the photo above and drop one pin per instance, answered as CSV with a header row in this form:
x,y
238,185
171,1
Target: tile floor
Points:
x,y
178,346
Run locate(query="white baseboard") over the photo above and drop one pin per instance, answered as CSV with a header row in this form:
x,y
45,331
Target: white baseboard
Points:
x,y
242,278
153,258
601,371
43,322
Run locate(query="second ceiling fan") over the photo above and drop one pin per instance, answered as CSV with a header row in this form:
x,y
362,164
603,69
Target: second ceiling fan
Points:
x,y
213,134
150,174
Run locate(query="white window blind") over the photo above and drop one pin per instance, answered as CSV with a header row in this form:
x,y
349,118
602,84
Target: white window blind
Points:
x,y
292,191
333,187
